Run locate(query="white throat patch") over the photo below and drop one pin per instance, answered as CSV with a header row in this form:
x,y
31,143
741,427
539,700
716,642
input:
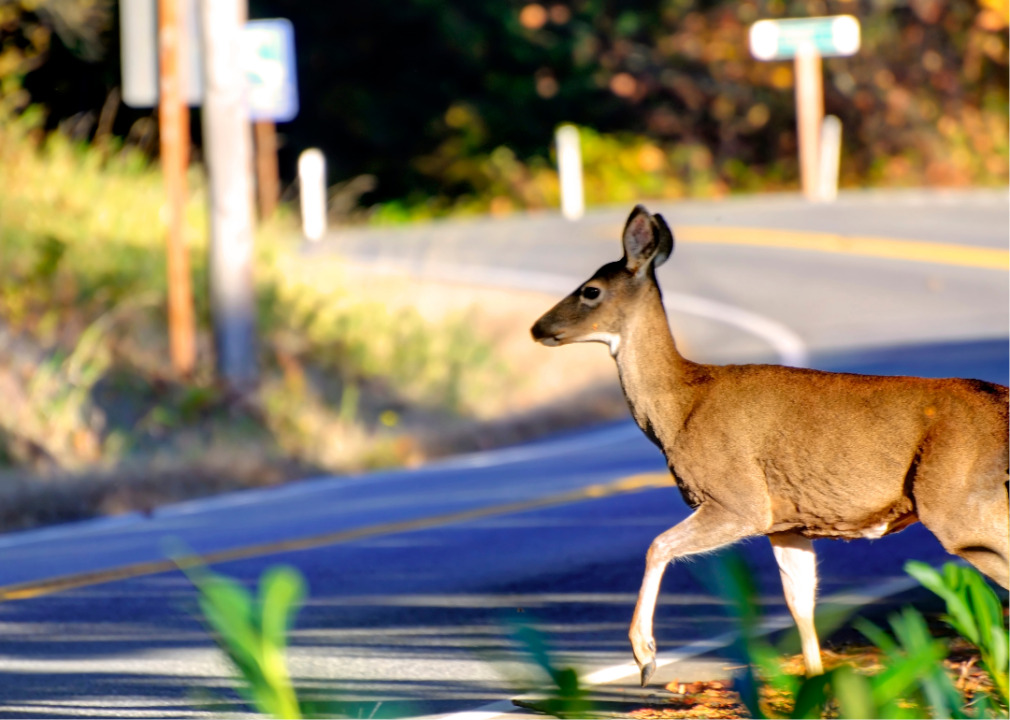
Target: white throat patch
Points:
x,y
611,339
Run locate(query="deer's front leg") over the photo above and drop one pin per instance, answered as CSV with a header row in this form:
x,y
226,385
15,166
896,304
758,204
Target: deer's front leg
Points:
x,y
798,566
709,528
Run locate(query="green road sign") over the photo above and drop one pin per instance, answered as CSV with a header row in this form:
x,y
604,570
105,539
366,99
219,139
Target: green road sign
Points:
x,y
835,36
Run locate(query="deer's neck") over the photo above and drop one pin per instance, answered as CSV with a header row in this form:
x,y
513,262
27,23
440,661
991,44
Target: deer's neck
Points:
x,y
653,372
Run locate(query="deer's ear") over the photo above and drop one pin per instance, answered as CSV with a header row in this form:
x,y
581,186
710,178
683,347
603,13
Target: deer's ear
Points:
x,y
665,249
647,240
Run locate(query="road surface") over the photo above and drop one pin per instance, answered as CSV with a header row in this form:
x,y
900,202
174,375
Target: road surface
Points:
x,y
416,575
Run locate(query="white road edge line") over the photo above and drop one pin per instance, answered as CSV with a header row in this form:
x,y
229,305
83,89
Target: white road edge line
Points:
x,y
785,342
872,594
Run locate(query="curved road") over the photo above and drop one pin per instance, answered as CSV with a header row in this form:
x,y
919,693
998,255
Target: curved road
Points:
x,y
415,575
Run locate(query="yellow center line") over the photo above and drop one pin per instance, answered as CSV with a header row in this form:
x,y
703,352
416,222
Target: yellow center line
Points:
x,y
915,250
634,483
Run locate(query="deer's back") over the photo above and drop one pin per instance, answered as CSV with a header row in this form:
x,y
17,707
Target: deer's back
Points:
x,y
831,454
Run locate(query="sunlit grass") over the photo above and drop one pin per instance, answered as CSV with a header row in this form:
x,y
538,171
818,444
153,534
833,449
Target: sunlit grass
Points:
x,y
82,317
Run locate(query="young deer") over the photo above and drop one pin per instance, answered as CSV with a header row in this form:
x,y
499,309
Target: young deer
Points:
x,y
790,453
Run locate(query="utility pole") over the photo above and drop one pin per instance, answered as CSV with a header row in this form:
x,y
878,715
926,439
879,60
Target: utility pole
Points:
x,y
228,152
173,119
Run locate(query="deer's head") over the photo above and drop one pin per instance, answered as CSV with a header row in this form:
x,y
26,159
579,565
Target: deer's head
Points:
x,y
598,309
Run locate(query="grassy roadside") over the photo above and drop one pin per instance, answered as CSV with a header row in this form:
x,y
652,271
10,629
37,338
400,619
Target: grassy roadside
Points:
x,y
93,420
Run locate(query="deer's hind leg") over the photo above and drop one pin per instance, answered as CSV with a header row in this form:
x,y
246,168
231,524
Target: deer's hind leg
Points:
x,y
962,499
709,528
798,567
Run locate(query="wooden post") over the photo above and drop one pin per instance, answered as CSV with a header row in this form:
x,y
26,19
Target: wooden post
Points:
x,y
228,150
173,119
809,115
267,175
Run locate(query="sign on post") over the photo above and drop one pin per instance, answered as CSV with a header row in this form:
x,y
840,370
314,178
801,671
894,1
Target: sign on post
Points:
x,y
237,71
268,56
138,32
806,41
836,36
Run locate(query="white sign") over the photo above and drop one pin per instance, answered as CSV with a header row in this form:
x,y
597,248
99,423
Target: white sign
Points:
x,y
834,36
138,33
268,55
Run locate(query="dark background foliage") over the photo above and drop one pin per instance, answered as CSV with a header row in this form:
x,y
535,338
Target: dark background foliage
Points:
x,y
379,82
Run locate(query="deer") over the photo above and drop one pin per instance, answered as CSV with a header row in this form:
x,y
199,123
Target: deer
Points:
x,y
792,454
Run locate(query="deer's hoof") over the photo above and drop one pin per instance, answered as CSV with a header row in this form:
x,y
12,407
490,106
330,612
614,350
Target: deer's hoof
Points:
x,y
647,670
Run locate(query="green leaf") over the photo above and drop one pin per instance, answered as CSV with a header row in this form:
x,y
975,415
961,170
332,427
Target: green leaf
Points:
x,y
903,673
950,588
984,605
877,636
854,694
769,663
811,698
534,645
227,607
282,590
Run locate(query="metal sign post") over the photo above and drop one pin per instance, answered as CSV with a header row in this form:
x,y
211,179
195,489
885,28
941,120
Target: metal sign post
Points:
x,y
249,70
806,41
269,62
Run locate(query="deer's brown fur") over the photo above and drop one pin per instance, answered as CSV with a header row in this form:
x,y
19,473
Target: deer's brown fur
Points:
x,y
791,453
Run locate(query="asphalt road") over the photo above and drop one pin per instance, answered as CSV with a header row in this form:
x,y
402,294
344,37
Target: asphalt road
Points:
x,y
416,575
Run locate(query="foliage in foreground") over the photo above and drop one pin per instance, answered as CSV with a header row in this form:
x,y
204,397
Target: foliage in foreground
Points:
x,y
974,611
252,633
913,683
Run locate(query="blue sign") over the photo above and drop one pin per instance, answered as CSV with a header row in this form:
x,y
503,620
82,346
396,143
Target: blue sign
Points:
x,y
268,48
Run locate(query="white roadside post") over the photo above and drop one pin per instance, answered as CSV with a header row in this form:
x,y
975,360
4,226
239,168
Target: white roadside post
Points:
x,y
806,41
312,190
573,203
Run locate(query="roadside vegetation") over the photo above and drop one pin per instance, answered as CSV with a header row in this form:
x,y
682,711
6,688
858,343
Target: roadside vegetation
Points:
x,y
951,666
93,419
669,106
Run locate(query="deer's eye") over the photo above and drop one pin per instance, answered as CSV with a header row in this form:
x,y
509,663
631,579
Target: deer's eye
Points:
x,y
590,292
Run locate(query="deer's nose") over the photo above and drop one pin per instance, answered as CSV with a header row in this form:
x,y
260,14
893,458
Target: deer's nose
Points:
x,y
539,331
